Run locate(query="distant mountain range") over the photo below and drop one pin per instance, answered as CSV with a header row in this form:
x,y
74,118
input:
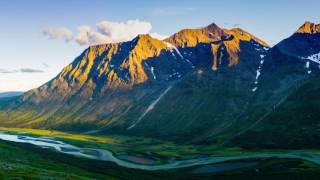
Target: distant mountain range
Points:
x,y
207,85
10,94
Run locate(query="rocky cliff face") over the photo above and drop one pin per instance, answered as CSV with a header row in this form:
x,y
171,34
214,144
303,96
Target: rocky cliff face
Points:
x,y
303,43
210,82
223,42
309,28
103,67
144,59
290,83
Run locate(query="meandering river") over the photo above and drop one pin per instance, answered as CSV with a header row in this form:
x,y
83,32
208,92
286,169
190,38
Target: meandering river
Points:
x,y
105,155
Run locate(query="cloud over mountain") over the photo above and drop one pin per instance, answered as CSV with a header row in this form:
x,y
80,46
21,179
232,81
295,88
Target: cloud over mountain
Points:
x,y
87,36
104,32
158,36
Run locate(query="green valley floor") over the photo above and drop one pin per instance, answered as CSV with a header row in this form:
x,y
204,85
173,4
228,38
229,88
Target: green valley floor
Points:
x,y
25,161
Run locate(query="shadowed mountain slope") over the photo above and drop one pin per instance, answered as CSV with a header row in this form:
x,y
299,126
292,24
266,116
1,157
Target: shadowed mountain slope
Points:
x,y
207,85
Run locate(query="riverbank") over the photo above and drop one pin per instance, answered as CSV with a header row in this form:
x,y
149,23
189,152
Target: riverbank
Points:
x,y
153,150
105,155
25,161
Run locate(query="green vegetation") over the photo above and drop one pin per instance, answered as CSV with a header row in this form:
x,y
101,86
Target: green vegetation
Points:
x,y
205,113
23,161
59,134
293,125
154,149
158,150
19,160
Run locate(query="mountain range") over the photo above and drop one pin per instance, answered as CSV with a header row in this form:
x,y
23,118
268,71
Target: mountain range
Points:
x,y
204,86
10,94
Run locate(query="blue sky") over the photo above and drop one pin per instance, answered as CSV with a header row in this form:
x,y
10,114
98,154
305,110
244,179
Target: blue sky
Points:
x,y
24,48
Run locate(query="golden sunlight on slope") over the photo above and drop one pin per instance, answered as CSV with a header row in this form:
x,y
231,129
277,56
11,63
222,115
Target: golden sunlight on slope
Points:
x,y
220,40
192,37
120,65
145,48
309,28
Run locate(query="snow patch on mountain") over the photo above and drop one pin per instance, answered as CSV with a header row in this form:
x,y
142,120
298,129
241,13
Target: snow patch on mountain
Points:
x,y
152,72
171,46
258,72
308,67
307,64
315,58
259,46
312,58
176,74
254,89
256,44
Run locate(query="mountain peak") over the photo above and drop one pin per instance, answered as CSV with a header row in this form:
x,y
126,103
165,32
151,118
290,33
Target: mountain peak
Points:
x,y
245,36
192,37
146,41
214,30
309,28
213,27
142,37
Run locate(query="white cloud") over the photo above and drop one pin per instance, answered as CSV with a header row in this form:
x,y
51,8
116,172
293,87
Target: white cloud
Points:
x,y
105,32
58,33
123,31
86,36
112,32
158,36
